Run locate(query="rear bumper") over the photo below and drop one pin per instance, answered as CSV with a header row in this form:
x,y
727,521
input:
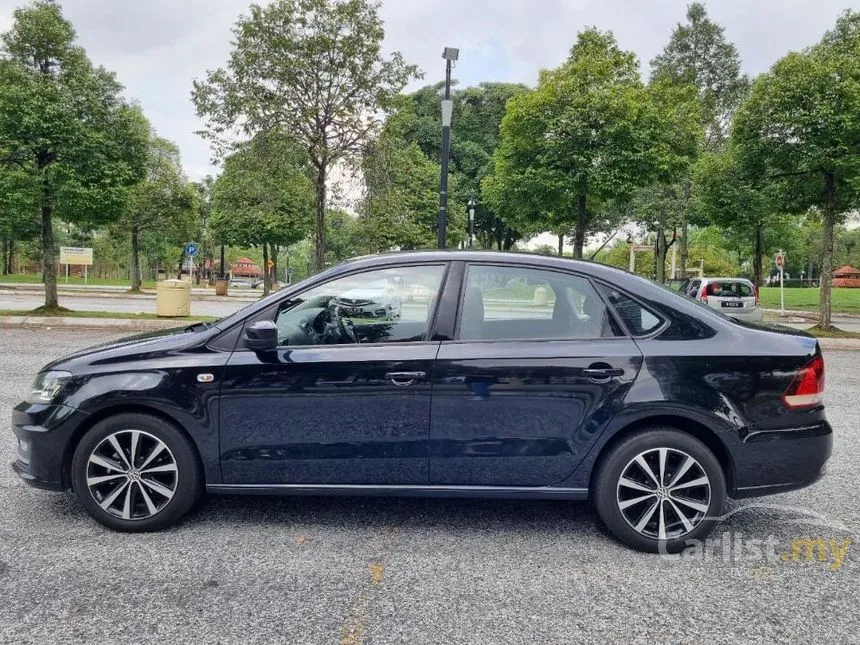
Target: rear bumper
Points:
x,y
42,434
750,315
777,461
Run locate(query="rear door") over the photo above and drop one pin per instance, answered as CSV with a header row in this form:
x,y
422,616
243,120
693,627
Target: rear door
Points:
x,y
537,368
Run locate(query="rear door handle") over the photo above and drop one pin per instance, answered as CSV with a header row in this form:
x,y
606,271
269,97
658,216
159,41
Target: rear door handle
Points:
x,y
404,379
601,373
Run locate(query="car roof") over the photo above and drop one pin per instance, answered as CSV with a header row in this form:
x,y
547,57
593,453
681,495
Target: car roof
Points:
x,y
747,280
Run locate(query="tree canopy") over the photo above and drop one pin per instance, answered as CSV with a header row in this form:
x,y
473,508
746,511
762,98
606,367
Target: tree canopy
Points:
x,y
313,69
264,196
64,123
799,128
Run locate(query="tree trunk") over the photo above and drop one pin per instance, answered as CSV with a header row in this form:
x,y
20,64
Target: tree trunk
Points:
x,y
135,258
319,232
757,253
181,262
266,272
49,274
685,224
10,258
581,223
824,303
273,255
560,245
5,265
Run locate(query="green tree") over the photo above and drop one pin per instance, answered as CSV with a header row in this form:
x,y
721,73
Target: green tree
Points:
x,y
18,211
800,127
64,123
734,200
698,54
264,196
478,113
313,68
590,132
156,202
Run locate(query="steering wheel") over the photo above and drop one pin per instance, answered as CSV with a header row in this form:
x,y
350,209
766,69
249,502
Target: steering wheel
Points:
x,y
344,326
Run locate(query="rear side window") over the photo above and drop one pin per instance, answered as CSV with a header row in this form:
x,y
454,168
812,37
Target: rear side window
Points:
x,y
639,320
693,288
730,289
521,303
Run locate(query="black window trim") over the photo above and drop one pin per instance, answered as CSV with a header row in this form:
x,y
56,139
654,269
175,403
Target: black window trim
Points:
x,y
625,335
659,329
267,312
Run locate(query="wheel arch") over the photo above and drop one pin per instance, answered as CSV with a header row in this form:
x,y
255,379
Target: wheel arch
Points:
x,y
693,427
111,411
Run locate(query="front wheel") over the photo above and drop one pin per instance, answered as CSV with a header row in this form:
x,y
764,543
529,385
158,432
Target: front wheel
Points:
x,y
659,490
136,472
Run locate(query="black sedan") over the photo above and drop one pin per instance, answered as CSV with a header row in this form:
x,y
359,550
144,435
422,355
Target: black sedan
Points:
x,y
504,375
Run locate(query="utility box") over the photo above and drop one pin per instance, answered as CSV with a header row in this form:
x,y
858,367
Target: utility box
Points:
x,y
173,298
221,287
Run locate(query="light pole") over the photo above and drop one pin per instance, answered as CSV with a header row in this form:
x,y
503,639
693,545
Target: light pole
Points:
x,y
450,55
471,222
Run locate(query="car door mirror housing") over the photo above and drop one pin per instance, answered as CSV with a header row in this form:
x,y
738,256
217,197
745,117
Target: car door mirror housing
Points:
x,y
261,336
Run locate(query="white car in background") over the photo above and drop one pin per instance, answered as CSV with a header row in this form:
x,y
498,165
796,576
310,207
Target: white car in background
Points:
x,y
735,297
376,299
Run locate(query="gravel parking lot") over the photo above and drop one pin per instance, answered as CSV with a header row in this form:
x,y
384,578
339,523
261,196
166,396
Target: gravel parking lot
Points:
x,y
353,570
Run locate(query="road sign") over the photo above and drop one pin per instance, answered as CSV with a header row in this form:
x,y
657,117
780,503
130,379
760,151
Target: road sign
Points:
x,y
76,255
191,248
780,260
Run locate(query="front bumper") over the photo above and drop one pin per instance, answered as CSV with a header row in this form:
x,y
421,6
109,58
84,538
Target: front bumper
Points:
x,y
42,434
777,461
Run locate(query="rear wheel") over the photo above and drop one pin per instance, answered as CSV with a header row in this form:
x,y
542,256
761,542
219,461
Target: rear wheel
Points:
x,y
659,489
136,472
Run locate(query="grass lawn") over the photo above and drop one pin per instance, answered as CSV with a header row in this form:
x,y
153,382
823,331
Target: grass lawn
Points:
x,y
844,300
61,280
832,333
68,313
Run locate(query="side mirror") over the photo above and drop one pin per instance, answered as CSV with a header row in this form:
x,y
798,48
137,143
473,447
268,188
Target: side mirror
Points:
x,y
261,336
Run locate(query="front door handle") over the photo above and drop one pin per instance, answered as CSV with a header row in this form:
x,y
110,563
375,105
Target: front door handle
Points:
x,y
404,379
602,373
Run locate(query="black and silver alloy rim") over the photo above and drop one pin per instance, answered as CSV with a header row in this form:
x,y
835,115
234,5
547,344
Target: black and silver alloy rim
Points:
x,y
132,474
663,493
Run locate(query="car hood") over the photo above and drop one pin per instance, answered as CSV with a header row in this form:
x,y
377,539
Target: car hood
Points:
x,y
138,346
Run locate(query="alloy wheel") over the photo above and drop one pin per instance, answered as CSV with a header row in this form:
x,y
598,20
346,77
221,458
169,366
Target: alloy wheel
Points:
x,y
663,493
132,474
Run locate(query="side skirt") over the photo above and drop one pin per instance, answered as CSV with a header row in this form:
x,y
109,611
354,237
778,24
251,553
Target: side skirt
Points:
x,y
499,492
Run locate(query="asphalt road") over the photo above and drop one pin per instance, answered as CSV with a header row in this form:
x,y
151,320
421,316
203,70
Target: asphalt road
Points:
x,y
317,570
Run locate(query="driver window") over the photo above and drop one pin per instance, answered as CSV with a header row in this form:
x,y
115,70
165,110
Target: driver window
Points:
x,y
382,306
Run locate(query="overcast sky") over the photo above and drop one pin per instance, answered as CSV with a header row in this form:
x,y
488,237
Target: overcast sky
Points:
x,y
157,47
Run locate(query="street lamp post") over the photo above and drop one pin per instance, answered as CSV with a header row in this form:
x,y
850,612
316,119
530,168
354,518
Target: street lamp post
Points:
x,y
450,55
471,222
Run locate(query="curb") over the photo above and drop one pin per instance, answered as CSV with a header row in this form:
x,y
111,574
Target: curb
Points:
x,y
116,324
839,343
146,295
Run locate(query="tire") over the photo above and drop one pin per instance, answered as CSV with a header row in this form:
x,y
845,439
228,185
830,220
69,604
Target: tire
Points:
x,y
624,505
165,483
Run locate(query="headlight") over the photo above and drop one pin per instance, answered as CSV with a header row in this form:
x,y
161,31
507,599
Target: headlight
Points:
x,y
47,385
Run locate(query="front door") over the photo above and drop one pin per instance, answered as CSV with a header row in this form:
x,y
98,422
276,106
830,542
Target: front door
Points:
x,y
537,369
345,399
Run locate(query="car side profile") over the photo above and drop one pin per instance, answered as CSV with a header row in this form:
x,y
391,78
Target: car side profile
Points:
x,y
502,375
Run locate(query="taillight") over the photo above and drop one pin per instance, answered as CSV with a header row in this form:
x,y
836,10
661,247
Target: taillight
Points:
x,y
705,290
808,385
